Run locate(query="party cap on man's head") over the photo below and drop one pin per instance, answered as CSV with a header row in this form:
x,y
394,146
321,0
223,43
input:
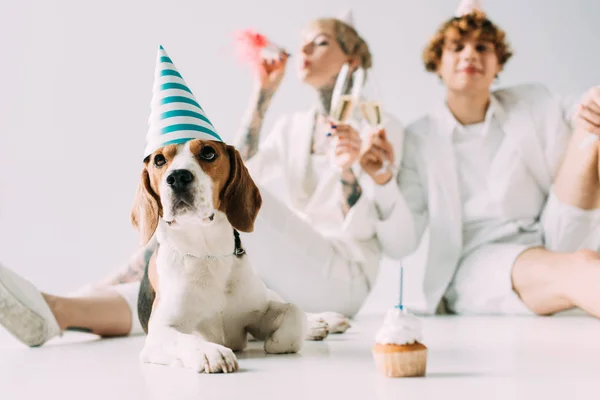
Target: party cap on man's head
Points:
x,y
467,7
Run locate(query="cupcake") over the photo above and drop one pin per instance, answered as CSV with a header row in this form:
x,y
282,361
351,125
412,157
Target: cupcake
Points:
x,y
398,351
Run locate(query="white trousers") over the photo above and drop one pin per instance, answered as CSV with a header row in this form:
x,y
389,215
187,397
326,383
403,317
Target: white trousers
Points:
x,y
483,280
302,266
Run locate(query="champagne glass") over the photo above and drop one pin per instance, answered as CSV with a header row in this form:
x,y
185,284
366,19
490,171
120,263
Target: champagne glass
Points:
x,y
342,103
370,108
346,95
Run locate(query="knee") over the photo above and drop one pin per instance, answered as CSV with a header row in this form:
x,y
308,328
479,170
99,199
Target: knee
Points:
x,y
586,257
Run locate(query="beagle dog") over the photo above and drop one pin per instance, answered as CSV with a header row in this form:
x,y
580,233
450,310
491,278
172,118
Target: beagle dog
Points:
x,y
200,298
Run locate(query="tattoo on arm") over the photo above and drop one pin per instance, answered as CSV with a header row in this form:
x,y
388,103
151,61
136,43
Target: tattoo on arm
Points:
x,y
249,134
351,190
134,270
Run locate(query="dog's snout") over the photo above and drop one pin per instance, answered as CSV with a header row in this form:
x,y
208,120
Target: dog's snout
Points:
x,y
180,179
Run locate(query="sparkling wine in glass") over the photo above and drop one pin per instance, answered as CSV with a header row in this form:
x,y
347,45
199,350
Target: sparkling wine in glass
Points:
x,y
343,109
370,108
371,112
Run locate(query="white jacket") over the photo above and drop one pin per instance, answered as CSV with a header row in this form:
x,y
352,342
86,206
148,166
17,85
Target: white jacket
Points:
x,y
286,151
427,195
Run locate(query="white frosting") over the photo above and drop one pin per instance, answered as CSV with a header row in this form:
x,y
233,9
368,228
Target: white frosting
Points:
x,y
399,327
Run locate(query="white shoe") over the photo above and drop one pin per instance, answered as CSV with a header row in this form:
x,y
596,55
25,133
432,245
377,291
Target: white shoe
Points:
x,y
23,310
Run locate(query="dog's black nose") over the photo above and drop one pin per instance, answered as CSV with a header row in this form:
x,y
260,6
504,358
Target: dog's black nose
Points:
x,y
180,179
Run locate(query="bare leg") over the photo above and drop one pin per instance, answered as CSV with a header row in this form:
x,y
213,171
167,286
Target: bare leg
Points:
x,y
578,183
103,312
34,317
549,282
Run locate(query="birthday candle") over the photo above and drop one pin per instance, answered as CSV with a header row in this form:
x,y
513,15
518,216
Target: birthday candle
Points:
x,y
400,305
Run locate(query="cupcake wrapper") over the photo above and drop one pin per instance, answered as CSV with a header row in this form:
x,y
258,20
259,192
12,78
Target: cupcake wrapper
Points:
x,y
401,364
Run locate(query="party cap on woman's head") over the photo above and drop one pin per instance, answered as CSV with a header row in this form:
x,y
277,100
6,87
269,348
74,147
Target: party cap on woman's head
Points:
x,y
347,17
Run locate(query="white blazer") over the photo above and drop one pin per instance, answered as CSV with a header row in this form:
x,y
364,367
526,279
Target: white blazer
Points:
x,y
427,194
287,151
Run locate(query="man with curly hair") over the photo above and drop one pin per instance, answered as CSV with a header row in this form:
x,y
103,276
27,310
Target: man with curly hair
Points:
x,y
506,181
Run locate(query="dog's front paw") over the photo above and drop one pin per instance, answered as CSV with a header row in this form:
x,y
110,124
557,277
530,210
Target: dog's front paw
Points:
x,y
337,322
209,358
317,328
196,355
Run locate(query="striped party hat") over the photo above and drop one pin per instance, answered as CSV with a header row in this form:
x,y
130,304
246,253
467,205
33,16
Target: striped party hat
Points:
x,y
175,115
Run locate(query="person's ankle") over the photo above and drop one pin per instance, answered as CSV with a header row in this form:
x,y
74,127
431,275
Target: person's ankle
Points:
x,y
56,307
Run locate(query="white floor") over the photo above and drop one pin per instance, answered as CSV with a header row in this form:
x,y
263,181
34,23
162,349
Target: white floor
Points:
x,y
469,358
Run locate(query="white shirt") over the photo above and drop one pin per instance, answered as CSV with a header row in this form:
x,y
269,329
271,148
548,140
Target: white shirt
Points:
x,y
428,193
475,149
313,189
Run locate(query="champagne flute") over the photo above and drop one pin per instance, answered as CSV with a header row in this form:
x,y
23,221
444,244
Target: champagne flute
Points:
x,y
346,94
370,108
342,104
371,111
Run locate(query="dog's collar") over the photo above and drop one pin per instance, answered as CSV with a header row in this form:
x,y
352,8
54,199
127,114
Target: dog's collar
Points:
x,y
237,252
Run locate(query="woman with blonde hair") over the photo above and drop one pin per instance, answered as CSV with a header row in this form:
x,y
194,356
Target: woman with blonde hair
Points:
x,y
323,253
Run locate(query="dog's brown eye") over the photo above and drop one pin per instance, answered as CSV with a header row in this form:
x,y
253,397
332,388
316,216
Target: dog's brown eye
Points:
x,y
208,153
159,160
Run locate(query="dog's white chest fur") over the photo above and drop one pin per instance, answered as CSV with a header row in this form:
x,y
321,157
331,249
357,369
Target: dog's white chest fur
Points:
x,y
215,297
207,308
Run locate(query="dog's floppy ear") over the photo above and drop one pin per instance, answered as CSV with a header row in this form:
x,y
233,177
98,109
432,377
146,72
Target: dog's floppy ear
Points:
x,y
240,198
146,209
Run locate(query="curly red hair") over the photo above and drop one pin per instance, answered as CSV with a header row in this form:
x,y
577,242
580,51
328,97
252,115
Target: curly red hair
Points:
x,y
476,24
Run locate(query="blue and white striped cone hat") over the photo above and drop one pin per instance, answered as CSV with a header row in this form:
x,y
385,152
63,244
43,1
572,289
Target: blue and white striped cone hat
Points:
x,y
175,115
